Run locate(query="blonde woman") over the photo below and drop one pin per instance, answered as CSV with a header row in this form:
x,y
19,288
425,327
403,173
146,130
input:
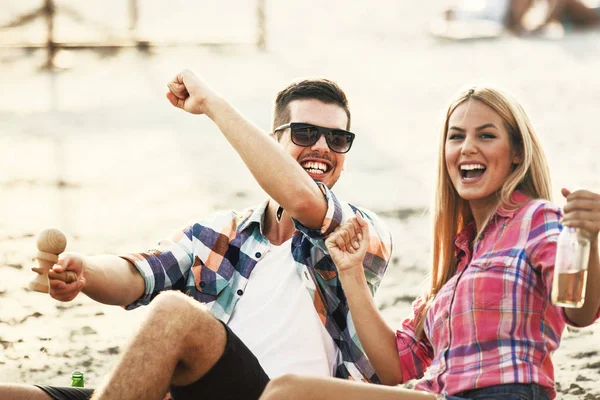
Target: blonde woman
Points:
x,y
487,328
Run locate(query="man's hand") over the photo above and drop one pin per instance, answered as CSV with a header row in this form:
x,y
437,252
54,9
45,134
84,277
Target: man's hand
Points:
x,y
189,92
60,290
348,244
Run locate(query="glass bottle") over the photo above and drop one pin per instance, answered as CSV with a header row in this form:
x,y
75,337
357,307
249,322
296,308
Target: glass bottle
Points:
x,y
77,379
570,268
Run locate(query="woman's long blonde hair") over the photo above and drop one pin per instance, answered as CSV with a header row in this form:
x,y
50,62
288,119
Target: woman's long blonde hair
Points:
x,y
452,213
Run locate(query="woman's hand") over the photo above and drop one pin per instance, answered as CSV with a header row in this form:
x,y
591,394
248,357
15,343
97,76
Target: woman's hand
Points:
x,y
348,244
582,211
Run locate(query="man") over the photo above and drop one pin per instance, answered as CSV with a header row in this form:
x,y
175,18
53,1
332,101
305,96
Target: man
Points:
x,y
261,273
575,13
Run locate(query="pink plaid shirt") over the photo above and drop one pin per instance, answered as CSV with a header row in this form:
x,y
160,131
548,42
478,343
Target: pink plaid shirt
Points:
x,y
492,323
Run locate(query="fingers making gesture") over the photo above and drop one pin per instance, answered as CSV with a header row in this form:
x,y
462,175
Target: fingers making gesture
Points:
x,y
348,244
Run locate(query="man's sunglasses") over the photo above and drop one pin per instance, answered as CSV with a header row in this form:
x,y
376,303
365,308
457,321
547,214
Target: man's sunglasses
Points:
x,y
304,135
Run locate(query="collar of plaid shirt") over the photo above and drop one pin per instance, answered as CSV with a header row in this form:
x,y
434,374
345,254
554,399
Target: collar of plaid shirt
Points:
x,y
319,276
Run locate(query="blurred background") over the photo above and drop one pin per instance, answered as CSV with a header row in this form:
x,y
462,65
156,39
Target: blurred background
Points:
x,y
89,143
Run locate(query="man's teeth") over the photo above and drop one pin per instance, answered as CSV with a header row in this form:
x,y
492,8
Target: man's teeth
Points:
x,y
471,167
315,167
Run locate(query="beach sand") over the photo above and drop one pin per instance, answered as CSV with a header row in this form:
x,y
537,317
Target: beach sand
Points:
x,y
97,151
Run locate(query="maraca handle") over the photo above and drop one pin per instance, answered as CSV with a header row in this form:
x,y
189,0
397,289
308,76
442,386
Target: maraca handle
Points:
x,y
66,276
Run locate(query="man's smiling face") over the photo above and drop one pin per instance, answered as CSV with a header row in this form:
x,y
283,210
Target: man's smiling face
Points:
x,y
318,160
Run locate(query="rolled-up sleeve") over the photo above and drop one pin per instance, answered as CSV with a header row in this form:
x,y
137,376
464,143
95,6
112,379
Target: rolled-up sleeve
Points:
x,y
541,241
380,243
415,355
164,268
334,216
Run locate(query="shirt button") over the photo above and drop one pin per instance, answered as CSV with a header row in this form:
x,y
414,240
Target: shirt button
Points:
x,y
240,292
481,236
257,254
446,314
202,284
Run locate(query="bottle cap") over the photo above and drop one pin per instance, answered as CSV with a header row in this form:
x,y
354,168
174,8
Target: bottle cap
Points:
x,y
77,379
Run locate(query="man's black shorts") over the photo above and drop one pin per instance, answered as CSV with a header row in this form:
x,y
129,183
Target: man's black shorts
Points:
x,y
236,375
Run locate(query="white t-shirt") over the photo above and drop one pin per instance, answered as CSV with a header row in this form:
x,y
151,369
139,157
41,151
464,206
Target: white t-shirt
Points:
x,y
276,319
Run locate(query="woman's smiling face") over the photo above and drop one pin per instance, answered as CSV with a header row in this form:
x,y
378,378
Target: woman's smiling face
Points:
x,y
478,152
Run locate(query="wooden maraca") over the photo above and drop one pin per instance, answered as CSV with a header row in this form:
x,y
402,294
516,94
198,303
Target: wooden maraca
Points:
x,y
50,244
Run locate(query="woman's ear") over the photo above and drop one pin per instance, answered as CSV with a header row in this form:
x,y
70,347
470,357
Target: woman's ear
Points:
x,y
517,157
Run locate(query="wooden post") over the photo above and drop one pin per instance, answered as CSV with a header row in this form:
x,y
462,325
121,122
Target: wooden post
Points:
x,y
133,18
261,19
50,11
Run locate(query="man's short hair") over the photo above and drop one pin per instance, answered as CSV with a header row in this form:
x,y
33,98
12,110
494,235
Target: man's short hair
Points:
x,y
315,88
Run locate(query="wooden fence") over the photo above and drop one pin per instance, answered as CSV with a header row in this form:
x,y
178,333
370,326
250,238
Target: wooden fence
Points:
x,y
48,9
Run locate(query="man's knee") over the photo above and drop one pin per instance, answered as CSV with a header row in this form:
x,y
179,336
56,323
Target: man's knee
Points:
x,y
200,337
176,307
174,314
283,387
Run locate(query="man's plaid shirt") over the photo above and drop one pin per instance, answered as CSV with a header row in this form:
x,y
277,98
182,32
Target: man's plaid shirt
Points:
x,y
211,261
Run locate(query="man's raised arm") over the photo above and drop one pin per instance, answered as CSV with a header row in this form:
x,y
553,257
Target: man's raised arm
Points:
x,y
276,172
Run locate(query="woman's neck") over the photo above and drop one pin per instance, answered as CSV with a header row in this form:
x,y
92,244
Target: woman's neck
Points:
x,y
482,210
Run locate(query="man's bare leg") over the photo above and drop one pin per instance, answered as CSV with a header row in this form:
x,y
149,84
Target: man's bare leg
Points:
x,y
21,392
177,343
290,387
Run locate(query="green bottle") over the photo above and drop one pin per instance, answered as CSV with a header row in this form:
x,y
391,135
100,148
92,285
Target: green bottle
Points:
x,y
77,379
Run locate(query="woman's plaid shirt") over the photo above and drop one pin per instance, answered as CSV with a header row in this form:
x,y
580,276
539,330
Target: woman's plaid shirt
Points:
x,y
211,261
493,322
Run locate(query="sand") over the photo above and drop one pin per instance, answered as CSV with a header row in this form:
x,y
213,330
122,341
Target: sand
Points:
x,y
97,151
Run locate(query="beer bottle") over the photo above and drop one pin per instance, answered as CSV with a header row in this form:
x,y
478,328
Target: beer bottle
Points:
x,y
570,268
77,379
